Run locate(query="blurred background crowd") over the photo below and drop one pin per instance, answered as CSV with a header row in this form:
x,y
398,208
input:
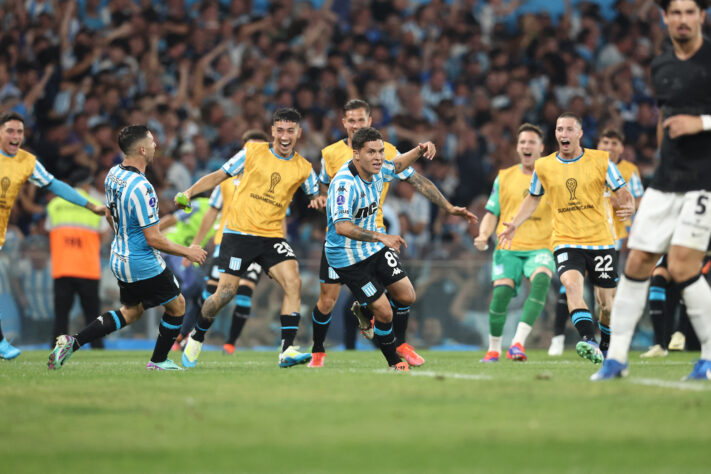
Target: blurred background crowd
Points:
x,y
462,73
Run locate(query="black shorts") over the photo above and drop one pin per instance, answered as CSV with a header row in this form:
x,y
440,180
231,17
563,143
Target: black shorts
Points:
x,y
368,279
238,252
601,265
254,270
156,291
327,274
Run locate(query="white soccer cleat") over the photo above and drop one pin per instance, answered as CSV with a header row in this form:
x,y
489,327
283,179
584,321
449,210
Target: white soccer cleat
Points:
x,y
191,353
678,341
557,345
655,351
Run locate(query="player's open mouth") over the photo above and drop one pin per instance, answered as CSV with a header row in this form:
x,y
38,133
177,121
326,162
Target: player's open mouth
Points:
x,y
565,142
527,154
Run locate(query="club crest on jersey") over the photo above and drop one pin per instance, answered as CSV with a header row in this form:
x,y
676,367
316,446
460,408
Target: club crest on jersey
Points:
x,y
5,183
571,184
273,181
366,211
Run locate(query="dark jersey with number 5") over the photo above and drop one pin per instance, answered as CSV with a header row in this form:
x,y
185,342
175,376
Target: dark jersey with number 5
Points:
x,y
683,87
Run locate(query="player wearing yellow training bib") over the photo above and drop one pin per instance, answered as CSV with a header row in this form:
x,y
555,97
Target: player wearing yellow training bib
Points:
x,y
529,254
272,172
574,180
18,166
611,141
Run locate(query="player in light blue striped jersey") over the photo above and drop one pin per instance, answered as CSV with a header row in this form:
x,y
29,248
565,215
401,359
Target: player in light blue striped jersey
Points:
x,y
144,281
365,259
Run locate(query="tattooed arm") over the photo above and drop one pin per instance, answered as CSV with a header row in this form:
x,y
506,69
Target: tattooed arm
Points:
x,y
355,232
428,189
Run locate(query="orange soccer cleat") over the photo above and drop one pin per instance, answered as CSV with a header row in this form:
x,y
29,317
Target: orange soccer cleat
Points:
x,y
407,352
516,352
317,359
228,349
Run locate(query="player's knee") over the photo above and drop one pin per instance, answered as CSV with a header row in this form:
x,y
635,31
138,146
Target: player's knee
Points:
x,y
292,286
407,298
682,271
177,308
326,304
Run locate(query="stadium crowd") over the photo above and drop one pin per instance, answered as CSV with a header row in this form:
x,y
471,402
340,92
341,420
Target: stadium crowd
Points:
x,y
464,74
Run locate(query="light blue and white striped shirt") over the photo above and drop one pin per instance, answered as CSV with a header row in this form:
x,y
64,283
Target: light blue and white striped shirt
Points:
x,y
351,198
134,206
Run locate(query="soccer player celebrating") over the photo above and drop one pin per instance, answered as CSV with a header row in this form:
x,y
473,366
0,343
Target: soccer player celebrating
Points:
x,y
529,254
365,258
574,180
220,202
253,233
18,166
611,141
356,115
674,214
143,278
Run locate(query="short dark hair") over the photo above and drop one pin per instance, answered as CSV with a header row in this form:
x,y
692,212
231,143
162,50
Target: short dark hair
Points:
x,y
529,127
128,136
254,134
363,136
614,134
7,116
287,114
571,115
355,104
664,4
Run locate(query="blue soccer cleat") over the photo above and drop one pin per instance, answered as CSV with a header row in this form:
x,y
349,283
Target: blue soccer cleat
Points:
x,y
290,357
611,369
590,350
701,371
191,353
517,352
165,365
63,350
8,351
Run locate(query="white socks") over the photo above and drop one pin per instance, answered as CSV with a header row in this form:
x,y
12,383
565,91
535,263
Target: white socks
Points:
x,y
697,298
627,309
495,343
522,332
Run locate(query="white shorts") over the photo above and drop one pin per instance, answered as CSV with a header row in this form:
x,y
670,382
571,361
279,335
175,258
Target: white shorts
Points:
x,y
666,219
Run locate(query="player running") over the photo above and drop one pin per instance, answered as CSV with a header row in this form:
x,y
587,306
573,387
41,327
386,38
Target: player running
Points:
x,y
143,278
365,258
253,233
574,180
529,254
18,166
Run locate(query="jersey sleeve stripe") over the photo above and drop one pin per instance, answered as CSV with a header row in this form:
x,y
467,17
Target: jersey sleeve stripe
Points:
x,y
636,185
216,198
613,177
310,186
323,175
40,176
536,188
235,165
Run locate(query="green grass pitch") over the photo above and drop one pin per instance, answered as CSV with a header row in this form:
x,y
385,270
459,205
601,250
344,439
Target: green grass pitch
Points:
x,y
104,412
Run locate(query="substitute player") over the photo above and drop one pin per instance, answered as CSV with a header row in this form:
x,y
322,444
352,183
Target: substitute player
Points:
x,y
574,180
356,115
253,233
144,280
18,166
611,141
529,255
220,201
366,259
675,214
